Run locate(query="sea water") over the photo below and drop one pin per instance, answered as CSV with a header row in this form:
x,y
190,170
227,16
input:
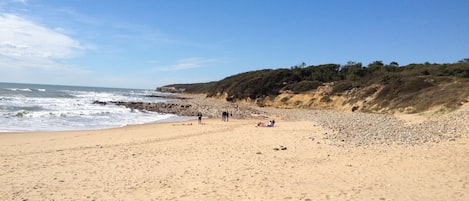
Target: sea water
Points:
x,y
34,107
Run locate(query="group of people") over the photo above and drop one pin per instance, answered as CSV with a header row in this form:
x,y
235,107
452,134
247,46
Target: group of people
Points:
x,y
271,123
224,116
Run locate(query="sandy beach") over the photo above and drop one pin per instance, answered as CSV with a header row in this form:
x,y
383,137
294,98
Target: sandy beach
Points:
x,y
298,159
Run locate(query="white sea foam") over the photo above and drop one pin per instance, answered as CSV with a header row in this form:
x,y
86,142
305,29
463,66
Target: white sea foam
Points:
x,y
47,109
25,89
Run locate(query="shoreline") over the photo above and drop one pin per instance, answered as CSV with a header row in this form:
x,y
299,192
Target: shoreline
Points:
x,y
302,158
172,119
347,128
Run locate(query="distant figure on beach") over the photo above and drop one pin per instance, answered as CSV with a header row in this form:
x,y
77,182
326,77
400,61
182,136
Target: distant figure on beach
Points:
x,y
199,115
224,116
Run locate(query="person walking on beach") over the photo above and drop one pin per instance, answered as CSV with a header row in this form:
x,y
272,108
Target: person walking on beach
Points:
x,y
223,116
199,115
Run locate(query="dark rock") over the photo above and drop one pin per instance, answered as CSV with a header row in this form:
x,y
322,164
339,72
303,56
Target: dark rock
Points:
x,y
100,102
167,97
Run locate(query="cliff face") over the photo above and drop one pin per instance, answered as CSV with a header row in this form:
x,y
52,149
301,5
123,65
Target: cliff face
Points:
x,y
321,100
374,98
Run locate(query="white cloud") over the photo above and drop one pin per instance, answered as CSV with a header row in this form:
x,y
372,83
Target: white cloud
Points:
x,y
33,40
26,45
21,1
32,53
185,64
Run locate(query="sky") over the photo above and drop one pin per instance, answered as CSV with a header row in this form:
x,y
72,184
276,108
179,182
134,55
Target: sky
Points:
x,y
146,44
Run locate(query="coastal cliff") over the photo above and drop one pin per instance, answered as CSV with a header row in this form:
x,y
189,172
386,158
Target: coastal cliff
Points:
x,y
376,88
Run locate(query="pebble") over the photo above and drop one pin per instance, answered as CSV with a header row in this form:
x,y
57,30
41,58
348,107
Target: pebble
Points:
x,y
361,129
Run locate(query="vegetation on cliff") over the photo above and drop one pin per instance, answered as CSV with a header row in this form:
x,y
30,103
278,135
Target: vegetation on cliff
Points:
x,y
419,86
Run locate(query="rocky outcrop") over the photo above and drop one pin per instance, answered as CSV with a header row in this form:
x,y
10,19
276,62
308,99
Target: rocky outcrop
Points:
x,y
192,106
170,89
166,97
161,107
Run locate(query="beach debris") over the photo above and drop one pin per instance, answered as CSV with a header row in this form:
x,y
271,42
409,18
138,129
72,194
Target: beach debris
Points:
x,y
280,148
258,152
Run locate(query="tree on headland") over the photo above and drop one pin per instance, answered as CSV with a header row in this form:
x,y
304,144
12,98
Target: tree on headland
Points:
x,y
466,60
376,65
393,63
351,71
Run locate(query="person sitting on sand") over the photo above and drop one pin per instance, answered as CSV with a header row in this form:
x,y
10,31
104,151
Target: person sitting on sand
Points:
x,y
260,124
271,123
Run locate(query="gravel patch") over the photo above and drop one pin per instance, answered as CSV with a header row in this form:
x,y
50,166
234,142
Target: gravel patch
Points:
x,y
354,128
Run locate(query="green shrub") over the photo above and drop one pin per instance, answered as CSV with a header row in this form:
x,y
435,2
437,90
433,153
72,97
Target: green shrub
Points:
x,y
285,100
343,86
304,85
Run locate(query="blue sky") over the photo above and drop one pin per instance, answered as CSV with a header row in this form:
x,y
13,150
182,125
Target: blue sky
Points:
x,y
145,44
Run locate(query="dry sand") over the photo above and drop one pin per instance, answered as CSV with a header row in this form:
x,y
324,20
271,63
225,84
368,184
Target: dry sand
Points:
x,y
232,160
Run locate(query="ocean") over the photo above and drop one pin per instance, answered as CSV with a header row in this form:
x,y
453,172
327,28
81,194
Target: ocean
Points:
x,y
36,107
